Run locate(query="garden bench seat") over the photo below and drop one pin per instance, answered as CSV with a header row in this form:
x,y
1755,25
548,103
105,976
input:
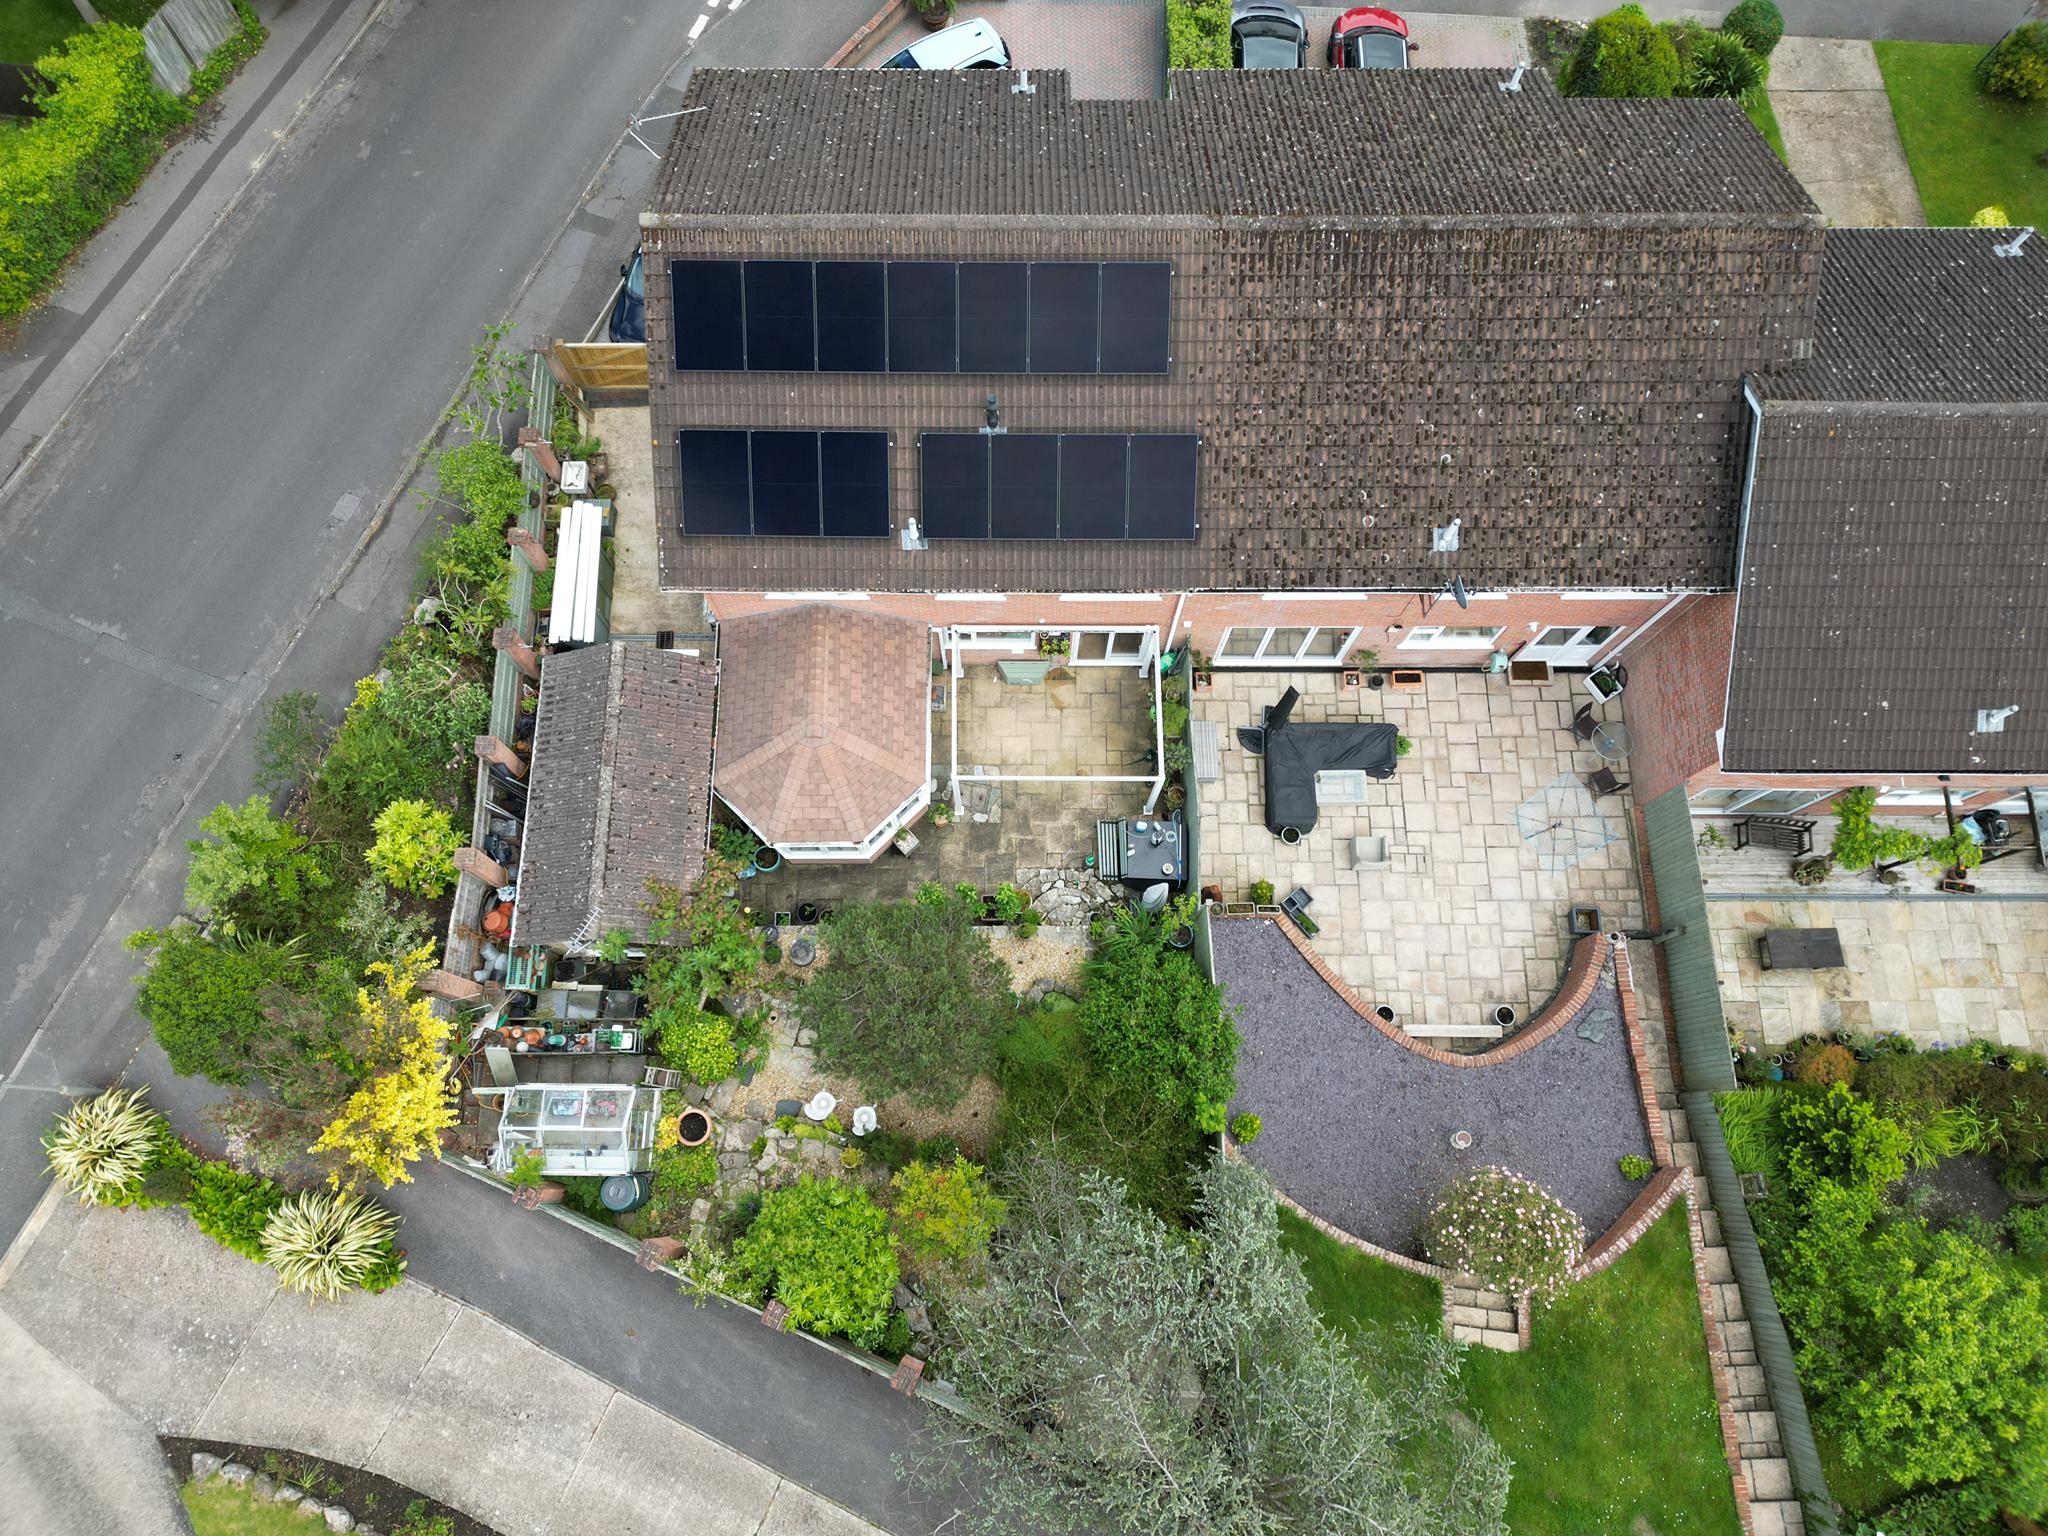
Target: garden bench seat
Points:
x,y
1791,834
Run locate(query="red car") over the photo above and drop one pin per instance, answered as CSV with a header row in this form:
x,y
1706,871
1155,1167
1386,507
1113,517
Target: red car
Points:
x,y
1369,38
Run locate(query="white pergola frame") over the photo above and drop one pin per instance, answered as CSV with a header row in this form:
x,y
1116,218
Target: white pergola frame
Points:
x,y
958,638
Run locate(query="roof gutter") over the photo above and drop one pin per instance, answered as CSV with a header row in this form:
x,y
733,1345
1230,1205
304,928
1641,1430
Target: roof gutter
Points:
x,y
1756,439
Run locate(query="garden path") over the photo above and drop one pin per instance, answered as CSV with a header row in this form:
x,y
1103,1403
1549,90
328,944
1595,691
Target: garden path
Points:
x,y
1840,139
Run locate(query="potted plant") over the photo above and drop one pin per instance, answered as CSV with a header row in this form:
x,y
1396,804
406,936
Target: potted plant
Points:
x,y
1261,893
1053,644
1812,871
935,13
767,859
942,813
693,1127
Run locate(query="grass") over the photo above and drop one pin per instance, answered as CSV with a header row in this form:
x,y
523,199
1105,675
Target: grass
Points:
x,y
31,28
1610,1416
220,1508
1967,150
1758,105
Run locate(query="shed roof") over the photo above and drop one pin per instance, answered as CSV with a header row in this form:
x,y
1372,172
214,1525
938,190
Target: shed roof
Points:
x,y
620,790
824,721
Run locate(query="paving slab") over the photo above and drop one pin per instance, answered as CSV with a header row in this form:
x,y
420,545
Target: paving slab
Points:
x,y
637,1466
1840,139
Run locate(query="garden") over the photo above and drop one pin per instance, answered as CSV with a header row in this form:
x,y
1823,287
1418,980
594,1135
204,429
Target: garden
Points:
x,y
1974,125
1900,1197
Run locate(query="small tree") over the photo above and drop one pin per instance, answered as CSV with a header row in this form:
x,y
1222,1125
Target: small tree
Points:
x,y
1154,1022
1838,1138
1622,54
404,1102
945,1216
1198,34
204,999
2018,66
912,1000
250,869
415,847
822,1249
1513,1235
1756,24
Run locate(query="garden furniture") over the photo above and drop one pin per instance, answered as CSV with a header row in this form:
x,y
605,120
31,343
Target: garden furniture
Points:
x,y
1801,949
1603,783
1296,753
1610,740
1790,834
1585,723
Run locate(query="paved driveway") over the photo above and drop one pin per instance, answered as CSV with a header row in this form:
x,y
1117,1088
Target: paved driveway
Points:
x,y
1840,139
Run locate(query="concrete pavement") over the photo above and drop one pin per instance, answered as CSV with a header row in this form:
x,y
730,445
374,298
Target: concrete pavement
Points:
x,y
1840,138
151,1324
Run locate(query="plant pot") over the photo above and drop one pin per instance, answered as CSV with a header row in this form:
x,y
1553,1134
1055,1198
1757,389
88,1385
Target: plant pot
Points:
x,y
767,860
934,17
1461,1141
693,1127
1183,937
1290,835
1204,681
1384,1014
806,912
1377,681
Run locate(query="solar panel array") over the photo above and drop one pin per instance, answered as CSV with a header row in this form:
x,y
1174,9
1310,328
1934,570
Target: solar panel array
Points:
x,y
833,485
1058,485
921,316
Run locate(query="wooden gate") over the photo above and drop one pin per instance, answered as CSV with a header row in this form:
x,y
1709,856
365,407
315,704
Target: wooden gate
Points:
x,y
604,367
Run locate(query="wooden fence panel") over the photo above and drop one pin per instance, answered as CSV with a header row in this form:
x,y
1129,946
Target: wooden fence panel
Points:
x,y
179,37
612,366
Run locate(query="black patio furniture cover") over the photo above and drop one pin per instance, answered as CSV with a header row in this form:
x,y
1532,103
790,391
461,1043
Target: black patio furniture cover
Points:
x,y
1296,753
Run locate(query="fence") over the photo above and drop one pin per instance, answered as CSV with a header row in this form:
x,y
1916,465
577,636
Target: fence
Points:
x,y
614,368
180,36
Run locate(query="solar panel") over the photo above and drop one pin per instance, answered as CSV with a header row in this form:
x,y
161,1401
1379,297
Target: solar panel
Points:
x,y
1136,307
780,317
1066,298
1094,483
716,482
706,299
954,493
853,335
1024,486
994,296
785,483
1163,480
854,473
923,316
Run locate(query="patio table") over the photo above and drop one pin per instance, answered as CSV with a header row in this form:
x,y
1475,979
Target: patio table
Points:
x,y
1147,864
1611,741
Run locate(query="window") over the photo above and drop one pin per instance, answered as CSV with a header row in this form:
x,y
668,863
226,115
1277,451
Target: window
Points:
x,y
1450,637
1909,800
1753,802
1311,646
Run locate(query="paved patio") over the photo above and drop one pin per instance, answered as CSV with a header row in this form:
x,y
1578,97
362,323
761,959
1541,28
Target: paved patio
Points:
x,y
1081,721
639,606
1939,969
1469,915
1728,871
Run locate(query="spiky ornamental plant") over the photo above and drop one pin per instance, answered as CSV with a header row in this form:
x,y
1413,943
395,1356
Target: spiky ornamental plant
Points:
x,y
100,1147
323,1244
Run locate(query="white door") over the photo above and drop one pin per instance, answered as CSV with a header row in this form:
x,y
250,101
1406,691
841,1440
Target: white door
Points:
x,y
1111,647
1567,645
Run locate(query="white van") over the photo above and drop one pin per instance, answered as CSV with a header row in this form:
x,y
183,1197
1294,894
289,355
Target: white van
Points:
x,y
966,45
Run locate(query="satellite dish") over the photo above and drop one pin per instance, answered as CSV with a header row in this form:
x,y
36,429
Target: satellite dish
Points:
x,y
1459,595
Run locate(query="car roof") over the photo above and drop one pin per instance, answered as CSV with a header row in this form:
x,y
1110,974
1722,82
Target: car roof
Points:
x,y
952,46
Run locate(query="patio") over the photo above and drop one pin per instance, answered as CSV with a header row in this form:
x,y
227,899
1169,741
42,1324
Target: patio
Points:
x,y
1487,849
1767,872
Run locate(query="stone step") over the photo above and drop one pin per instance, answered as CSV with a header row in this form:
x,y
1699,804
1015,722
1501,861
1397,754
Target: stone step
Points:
x,y
1680,1126
1720,1270
1777,1518
1770,1479
1752,1449
1728,1301
1686,1154
1710,1227
1749,1402
1736,1334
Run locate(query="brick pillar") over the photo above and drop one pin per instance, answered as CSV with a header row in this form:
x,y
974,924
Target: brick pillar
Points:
x,y
528,546
513,644
492,750
457,989
474,861
541,1194
657,1251
543,452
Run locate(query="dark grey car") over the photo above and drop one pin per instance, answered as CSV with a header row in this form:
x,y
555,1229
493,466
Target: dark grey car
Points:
x,y
1267,34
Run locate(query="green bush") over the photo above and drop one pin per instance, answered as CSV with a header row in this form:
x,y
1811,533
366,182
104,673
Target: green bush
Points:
x,y
892,1149
1622,54
1970,1510
944,1214
1511,1233
323,1243
1261,893
1749,1124
102,1148
290,741
697,1043
1198,34
230,56
103,123
681,1174
2018,66
434,701
1245,1127
232,1207
2027,1226
203,999
822,1249
1835,1137
1756,24
1720,64
251,870
2017,1103
1153,1021
415,847
373,762
1636,1167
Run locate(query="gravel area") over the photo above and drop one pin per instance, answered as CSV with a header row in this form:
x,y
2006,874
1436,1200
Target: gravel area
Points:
x,y
1358,1128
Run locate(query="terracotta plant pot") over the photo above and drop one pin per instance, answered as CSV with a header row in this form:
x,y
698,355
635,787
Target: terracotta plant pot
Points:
x,y
693,1127
934,17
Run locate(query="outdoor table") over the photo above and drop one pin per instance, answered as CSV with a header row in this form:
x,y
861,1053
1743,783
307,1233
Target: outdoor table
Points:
x,y
1145,864
1801,949
1611,741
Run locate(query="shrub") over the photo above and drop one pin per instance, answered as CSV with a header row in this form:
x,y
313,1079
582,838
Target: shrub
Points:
x,y
1950,1132
101,1147
2027,1226
945,1215
2017,1103
1634,1166
372,763
290,741
1749,1124
203,998
415,847
892,1149
1261,892
1622,54
323,1244
374,927
1991,216
1245,1127
1829,1064
434,702
1154,1022
102,123
680,1175
1970,1510
401,1102
251,870
1513,1235
2018,66
1756,24
1720,64
694,1042
233,1207
1197,34
938,1149
1860,842
1838,1138
822,1249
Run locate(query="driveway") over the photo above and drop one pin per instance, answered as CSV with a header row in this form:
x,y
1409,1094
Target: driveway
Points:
x,y
1840,139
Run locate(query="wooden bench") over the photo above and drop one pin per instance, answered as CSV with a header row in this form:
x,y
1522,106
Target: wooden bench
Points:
x,y
1452,1031
1801,949
1792,834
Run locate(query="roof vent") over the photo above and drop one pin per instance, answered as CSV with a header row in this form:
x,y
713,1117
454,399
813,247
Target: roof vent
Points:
x,y
1513,84
2015,245
1444,541
1023,87
1990,722
913,537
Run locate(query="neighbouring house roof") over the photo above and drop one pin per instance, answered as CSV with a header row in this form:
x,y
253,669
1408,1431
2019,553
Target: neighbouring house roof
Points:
x,y
1527,313
1894,579
824,721
620,796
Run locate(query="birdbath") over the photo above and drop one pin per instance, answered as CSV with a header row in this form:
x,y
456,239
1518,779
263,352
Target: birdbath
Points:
x,y
821,1105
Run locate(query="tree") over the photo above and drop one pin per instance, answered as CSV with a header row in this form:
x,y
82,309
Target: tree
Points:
x,y
822,1249
404,1102
1622,54
1154,1022
415,847
250,870
1839,1138
1121,1375
912,999
945,1216
204,999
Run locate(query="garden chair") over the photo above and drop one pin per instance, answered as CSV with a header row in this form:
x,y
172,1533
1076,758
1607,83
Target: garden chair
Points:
x,y
1603,783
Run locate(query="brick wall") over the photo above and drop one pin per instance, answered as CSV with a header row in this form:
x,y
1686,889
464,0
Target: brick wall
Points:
x,y
1677,686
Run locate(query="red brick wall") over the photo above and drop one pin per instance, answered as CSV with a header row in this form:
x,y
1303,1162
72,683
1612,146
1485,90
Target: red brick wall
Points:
x,y
1677,690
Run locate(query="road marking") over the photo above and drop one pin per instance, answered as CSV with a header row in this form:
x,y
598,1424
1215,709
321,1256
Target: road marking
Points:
x,y
19,605
697,27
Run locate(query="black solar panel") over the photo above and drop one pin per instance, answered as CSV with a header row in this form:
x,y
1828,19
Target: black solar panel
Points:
x,y
780,337
784,483
954,494
1135,311
1163,477
923,316
706,298
994,336
1066,300
1094,485
853,333
1024,485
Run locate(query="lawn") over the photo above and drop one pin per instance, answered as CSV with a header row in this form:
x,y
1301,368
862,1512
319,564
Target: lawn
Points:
x,y
220,1508
1609,1418
30,28
1967,150
1758,105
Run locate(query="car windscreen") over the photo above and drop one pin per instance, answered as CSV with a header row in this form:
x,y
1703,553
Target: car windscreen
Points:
x,y
636,278
1267,45
1378,50
902,60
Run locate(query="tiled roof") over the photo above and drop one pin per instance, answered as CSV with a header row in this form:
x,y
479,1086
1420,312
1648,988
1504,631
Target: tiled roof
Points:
x,y
1894,583
1926,315
1529,314
620,790
824,720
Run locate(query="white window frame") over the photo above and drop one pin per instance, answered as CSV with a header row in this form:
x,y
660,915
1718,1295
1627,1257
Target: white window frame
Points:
x,y
1737,807
1574,653
1264,657
1909,800
1431,637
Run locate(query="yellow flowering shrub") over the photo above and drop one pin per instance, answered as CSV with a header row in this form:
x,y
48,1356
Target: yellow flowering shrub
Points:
x,y
406,1099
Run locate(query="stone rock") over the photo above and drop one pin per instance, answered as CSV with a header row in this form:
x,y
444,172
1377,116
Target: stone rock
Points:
x,y
235,1472
806,1037
700,1211
204,1465
721,1096
368,1530
766,1160
262,1486
285,1493
905,1298
820,1152
920,1319
337,1518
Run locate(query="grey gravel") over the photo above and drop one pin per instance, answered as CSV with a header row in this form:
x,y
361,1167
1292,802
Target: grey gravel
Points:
x,y
1358,1129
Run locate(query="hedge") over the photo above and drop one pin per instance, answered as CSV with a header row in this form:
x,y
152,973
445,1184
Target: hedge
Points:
x,y
103,123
